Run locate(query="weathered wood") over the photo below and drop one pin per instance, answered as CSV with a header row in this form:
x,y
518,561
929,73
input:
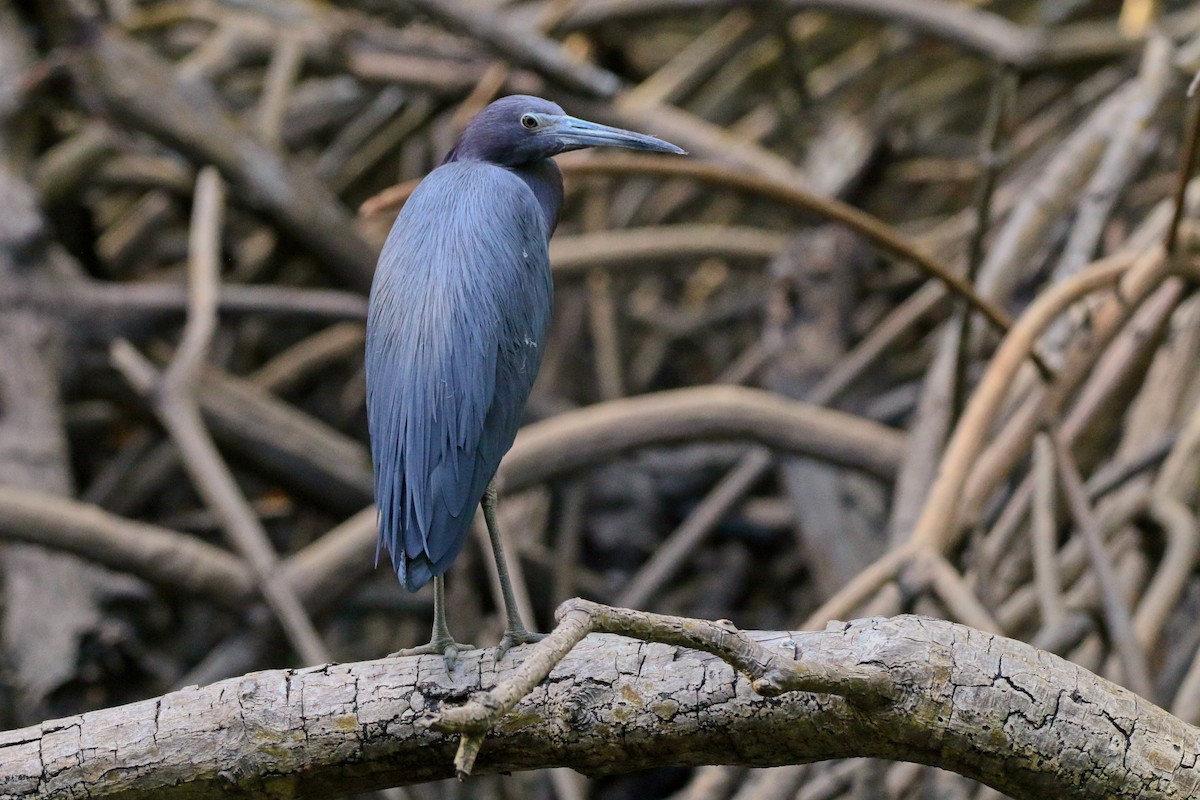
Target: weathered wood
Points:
x,y
1024,721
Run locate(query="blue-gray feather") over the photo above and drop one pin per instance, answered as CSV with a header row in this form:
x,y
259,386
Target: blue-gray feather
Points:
x,y
458,316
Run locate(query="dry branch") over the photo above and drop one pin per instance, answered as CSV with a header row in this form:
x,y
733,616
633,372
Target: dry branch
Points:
x,y
120,305
137,86
523,46
1027,723
627,249
182,565
170,560
286,443
570,441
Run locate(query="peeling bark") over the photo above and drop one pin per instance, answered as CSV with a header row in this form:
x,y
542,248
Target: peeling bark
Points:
x,y
1022,720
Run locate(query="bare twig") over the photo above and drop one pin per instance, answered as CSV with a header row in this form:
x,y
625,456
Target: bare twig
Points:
x,y
877,232
1044,532
176,406
1116,607
568,442
937,517
1187,165
523,47
769,671
1003,97
172,561
286,61
1170,579
627,249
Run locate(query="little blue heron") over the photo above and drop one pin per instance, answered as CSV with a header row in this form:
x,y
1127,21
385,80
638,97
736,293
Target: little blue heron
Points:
x,y
458,316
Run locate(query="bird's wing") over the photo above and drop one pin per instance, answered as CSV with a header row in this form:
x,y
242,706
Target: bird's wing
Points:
x,y
457,319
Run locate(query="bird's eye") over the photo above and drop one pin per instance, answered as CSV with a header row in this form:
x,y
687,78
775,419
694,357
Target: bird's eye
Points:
x,y
529,121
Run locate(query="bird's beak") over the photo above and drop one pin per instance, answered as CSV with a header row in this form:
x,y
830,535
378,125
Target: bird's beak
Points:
x,y
576,133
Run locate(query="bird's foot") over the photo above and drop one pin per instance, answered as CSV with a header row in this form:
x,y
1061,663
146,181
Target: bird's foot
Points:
x,y
444,646
514,636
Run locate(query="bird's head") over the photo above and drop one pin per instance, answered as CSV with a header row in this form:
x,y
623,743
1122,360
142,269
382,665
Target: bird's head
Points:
x,y
519,130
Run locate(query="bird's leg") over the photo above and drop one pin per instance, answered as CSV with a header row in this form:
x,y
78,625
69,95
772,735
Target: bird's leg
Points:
x,y
440,641
515,631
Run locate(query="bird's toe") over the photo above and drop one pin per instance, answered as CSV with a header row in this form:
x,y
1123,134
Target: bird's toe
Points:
x,y
445,647
515,637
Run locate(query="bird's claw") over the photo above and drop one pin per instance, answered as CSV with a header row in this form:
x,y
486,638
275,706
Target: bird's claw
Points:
x,y
446,647
514,637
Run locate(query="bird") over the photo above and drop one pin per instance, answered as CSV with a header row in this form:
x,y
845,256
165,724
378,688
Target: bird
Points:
x,y
458,316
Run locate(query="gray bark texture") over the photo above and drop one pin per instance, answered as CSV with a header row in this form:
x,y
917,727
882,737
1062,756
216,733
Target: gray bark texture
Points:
x,y
1022,720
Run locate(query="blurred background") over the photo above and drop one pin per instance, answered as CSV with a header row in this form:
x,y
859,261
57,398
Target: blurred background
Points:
x,y
843,154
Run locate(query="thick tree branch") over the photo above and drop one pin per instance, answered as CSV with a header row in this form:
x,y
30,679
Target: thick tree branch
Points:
x,y
172,561
571,441
1022,720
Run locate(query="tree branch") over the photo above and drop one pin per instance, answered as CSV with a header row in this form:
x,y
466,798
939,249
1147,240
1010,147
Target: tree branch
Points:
x,y
138,87
1024,721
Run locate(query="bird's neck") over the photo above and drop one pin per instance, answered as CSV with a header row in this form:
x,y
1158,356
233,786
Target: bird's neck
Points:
x,y
545,179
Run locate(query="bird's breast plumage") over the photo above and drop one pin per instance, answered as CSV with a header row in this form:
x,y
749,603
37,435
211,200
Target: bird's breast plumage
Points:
x,y
458,314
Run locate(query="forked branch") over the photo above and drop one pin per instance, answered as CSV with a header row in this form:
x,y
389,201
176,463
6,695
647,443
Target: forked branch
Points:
x,y
906,688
